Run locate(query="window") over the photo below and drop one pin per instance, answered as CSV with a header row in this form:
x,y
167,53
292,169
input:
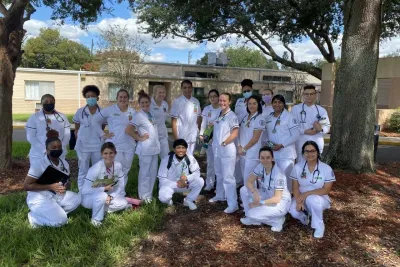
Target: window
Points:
x,y
198,91
113,89
288,95
35,89
197,74
256,92
284,79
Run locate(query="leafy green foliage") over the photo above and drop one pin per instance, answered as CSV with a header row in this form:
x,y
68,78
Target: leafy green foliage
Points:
x,y
394,121
51,51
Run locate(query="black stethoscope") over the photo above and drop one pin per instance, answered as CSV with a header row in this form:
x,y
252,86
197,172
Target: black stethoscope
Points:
x,y
48,120
247,124
87,114
313,179
278,122
221,118
63,169
150,118
303,114
263,179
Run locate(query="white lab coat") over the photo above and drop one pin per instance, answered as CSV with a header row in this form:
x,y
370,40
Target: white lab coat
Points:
x,y
267,110
36,133
169,177
225,158
160,113
88,143
246,131
186,112
209,114
95,198
306,120
147,151
47,208
315,204
267,214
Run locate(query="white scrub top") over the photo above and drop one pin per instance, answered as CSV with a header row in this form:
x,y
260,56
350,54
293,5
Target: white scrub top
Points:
x,y
99,171
223,127
36,131
160,113
267,110
246,132
171,176
146,123
276,180
310,115
241,108
37,169
117,122
316,179
186,112
286,133
88,139
209,114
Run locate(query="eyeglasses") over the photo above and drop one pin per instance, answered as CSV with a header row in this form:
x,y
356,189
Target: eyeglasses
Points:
x,y
310,151
309,94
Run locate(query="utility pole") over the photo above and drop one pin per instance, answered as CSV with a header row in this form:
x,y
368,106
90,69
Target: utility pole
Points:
x,y
91,50
190,56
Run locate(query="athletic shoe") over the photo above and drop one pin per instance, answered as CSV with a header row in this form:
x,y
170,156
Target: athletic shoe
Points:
x,y
248,221
215,199
306,220
170,202
190,204
96,223
279,226
230,210
208,187
319,232
148,200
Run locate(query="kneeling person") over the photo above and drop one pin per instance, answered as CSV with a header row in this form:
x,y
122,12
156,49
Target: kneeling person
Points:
x,y
98,196
179,173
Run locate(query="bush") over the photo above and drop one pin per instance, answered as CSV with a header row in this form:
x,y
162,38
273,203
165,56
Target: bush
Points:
x,y
394,121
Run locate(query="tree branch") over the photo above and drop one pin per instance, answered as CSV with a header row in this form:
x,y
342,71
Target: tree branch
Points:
x,y
290,51
3,9
328,42
29,11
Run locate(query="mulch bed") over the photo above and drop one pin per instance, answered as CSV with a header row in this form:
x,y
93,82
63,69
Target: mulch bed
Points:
x,y
389,134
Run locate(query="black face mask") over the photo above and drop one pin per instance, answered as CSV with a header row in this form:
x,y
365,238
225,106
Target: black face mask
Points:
x,y
56,153
48,107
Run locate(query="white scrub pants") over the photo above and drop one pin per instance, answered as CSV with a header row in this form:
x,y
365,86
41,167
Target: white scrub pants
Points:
x,y
226,182
147,175
165,193
315,205
210,179
247,166
238,168
190,148
164,146
97,202
270,215
125,158
304,138
47,210
286,165
84,160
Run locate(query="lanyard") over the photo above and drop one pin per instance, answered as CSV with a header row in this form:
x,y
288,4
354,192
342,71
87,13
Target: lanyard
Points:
x,y
108,170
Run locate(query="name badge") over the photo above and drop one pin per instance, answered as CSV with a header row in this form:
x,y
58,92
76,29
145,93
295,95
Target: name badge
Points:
x,y
195,108
209,114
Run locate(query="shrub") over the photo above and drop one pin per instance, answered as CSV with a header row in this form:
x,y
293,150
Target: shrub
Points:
x,y
394,121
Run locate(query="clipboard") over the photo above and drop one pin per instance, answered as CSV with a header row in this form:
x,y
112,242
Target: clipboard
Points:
x,y
52,175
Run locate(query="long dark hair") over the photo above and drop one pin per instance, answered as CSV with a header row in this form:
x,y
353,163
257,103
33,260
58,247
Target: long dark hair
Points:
x,y
259,106
280,98
311,143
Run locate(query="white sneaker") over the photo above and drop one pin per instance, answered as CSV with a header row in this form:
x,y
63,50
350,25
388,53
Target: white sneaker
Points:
x,y
248,221
230,210
279,226
319,232
170,203
215,199
190,204
32,222
96,223
148,200
208,187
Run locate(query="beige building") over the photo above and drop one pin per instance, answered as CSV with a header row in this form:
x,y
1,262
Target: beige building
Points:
x,y
66,86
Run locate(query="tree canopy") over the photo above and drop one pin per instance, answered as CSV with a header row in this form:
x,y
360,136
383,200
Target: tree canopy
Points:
x,y
258,21
51,51
244,57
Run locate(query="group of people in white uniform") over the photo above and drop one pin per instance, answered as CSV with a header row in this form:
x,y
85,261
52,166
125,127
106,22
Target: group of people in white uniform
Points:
x,y
271,152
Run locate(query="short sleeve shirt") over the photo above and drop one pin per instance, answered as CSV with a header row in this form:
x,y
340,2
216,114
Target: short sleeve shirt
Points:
x,y
223,127
177,168
160,113
145,123
246,132
88,140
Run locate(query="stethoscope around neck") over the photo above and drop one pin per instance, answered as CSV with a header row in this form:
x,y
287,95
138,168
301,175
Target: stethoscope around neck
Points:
x,y
316,171
263,178
84,112
56,115
303,114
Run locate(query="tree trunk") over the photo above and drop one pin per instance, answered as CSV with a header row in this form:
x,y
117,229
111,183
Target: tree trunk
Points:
x,y
354,102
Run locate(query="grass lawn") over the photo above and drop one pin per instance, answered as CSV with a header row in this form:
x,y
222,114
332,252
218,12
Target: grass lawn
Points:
x,y
25,117
78,243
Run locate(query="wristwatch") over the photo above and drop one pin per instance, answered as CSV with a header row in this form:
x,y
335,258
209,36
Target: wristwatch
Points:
x,y
223,144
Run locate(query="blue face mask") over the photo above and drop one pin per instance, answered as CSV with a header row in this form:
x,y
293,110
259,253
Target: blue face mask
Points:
x,y
247,94
91,101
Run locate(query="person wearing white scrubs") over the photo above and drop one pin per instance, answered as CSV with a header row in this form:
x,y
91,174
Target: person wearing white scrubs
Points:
x,y
268,202
313,120
226,130
210,114
179,173
88,143
105,198
186,116
267,108
250,131
118,116
40,123
143,128
49,204
159,108
312,182
283,132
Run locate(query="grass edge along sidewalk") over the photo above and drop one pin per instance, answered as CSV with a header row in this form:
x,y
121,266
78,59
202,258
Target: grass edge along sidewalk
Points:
x,y
78,243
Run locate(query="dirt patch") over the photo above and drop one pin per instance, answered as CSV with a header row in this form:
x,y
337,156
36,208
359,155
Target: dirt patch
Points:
x,y
362,229
389,134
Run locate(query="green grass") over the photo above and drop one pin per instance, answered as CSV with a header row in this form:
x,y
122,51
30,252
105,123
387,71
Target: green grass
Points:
x,y
21,151
78,243
25,117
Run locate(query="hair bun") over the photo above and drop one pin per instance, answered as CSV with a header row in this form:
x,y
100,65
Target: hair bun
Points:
x,y
142,92
52,134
